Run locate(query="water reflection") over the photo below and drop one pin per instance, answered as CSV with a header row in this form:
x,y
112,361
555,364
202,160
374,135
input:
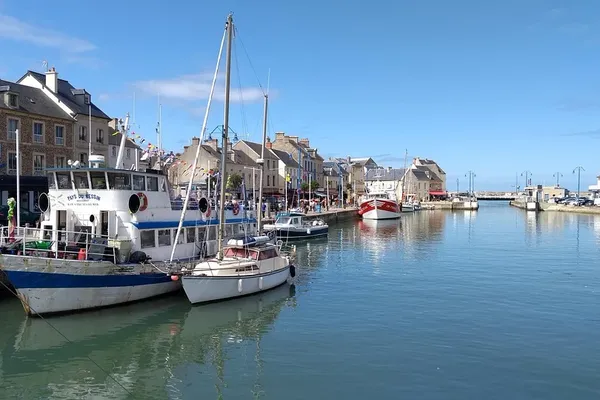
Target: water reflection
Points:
x,y
142,346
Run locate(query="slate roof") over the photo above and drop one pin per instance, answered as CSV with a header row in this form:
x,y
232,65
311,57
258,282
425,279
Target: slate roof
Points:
x,y
394,174
420,175
33,101
285,158
433,175
65,93
257,148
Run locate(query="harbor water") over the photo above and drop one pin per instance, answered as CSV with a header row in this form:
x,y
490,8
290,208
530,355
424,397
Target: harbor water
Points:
x,y
492,304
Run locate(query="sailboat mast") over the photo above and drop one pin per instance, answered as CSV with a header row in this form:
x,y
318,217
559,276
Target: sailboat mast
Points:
x,y
225,139
262,166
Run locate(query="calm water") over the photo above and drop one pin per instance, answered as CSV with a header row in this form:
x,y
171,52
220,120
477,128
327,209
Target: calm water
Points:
x,y
494,304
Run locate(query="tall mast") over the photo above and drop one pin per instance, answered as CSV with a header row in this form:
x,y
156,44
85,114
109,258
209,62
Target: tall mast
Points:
x,y
261,161
225,139
404,177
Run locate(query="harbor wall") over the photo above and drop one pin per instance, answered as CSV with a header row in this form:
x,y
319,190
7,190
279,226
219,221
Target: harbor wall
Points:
x,y
543,206
330,217
451,205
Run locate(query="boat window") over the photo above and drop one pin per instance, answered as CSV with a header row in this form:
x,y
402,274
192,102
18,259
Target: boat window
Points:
x,y
241,229
164,237
267,253
212,233
81,180
98,180
190,234
296,221
163,185
139,182
181,238
283,220
201,234
119,181
64,180
147,239
51,181
247,268
153,184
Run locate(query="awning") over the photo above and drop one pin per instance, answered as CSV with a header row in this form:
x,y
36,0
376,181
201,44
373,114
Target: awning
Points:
x,y
437,193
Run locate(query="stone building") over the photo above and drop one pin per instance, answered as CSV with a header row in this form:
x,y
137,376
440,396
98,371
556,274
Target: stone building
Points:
x,y
271,176
290,145
45,130
78,104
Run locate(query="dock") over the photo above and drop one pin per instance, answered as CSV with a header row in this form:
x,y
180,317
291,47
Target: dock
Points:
x,y
543,206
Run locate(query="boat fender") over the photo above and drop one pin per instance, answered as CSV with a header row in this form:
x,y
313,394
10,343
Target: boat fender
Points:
x,y
308,231
292,271
143,201
240,286
236,209
260,283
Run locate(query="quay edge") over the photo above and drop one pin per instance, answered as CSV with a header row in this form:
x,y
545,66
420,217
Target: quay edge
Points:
x,y
329,217
451,205
559,208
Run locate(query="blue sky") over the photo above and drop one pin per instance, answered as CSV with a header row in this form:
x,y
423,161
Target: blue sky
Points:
x,y
494,87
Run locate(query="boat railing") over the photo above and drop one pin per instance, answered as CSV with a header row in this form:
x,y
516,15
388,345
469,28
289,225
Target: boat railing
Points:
x,y
177,204
69,245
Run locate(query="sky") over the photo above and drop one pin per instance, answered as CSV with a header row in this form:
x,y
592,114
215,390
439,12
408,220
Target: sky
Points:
x,y
498,88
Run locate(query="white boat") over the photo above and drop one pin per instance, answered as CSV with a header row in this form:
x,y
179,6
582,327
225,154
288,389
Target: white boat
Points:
x,y
294,225
240,268
106,237
379,206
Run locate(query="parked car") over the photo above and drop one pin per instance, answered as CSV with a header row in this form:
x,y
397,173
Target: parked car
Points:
x,y
27,217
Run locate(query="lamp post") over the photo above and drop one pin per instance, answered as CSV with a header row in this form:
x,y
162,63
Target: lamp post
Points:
x,y
527,175
578,169
557,175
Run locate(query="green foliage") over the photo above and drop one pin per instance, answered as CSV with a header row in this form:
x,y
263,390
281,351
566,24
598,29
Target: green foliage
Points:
x,y
234,181
314,185
304,186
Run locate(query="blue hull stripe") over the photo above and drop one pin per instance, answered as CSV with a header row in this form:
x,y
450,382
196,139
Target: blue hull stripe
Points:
x,y
38,280
175,224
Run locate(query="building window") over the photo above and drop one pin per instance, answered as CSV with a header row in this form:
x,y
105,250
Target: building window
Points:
x,y
13,125
83,133
60,162
38,132
12,163
83,158
268,181
13,100
59,137
190,234
100,136
164,237
39,163
114,151
147,239
128,153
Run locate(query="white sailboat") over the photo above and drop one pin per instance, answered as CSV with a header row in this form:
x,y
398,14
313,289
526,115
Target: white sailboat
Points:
x,y
243,266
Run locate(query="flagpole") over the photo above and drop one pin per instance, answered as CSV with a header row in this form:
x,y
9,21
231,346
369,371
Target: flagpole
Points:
x,y
18,151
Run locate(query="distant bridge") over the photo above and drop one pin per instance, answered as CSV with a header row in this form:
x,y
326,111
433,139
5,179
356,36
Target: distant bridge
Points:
x,y
495,196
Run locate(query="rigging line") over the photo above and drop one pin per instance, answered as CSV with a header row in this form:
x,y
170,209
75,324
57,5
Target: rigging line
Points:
x,y
66,338
237,34
242,109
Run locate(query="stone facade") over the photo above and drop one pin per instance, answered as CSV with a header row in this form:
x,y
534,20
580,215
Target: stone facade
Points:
x,y
45,145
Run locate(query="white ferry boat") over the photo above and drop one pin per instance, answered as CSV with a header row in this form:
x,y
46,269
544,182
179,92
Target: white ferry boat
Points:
x,y
106,237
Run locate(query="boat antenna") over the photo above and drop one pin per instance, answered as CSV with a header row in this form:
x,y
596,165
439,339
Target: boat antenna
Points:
x,y
224,139
196,158
261,162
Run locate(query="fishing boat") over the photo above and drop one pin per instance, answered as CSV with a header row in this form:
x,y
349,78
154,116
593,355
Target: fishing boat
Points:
x,y
106,236
243,266
295,225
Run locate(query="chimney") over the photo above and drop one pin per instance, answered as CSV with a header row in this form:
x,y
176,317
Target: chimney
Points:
x,y
304,142
269,145
195,141
293,139
114,123
229,147
52,80
389,169
279,136
213,144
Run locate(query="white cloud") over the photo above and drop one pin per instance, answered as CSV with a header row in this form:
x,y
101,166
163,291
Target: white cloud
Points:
x,y
197,87
17,30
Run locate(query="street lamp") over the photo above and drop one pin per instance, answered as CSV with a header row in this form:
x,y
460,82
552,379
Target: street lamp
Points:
x,y
471,175
578,169
557,175
527,175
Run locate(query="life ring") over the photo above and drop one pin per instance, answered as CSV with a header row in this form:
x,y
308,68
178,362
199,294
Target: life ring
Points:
x,y
236,209
143,201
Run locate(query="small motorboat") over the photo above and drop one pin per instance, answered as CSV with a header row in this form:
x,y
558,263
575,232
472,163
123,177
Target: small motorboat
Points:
x,y
294,225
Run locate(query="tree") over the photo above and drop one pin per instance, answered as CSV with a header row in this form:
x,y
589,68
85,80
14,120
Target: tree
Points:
x,y
213,179
348,186
314,185
304,186
234,181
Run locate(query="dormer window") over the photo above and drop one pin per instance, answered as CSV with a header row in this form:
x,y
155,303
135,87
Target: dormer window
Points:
x,y
86,99
11,100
